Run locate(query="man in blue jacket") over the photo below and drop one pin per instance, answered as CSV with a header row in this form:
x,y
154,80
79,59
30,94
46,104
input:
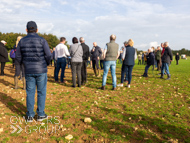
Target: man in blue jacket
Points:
x,y
33,51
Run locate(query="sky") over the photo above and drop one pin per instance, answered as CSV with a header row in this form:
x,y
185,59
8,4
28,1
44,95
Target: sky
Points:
x,y
147,22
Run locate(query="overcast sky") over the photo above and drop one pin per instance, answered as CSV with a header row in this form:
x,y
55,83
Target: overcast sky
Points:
x,y
147,22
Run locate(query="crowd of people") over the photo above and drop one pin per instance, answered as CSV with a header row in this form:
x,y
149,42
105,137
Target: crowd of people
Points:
x,y
33,55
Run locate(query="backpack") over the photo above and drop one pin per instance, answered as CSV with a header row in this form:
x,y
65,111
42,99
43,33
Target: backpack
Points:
x,y
12,54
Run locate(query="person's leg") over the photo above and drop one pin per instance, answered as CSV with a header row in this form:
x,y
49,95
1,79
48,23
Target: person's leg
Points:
x,y
85,71
63,66
58,66
82,73
41,82
73,67
30,92
123,71
97,63
94,66
130,69
106,69
79,65
146,69
113,68
162,70
2,68
17,73
167,68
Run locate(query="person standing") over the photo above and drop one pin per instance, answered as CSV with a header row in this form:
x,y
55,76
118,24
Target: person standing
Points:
x,y
33,51
143,58
96,54
76,53
177,58
167,57
128,62
19,68
85,59
150,61
111,54
102,60
3,56
139,58
158,58
61,53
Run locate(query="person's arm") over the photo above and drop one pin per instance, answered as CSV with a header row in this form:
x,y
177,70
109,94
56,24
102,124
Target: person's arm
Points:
x,y
66,51
124,53
47,52
105,51
18,56
118,53
170,54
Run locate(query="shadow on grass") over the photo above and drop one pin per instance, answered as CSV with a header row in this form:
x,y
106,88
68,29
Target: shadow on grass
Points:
x,y
137,128
6,83
13,104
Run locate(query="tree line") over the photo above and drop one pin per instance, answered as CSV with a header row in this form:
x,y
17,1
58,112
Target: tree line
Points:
x,y
11,38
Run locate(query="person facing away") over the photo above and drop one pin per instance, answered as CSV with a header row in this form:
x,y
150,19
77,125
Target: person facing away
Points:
x,y
111,54
139,58
96,54
3,56
128,62
150,61
102,60
85,56
33,51
177,58
19,68
167,57
76,53
61,53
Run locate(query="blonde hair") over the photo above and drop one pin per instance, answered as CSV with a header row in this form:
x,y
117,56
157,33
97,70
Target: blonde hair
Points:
x,y
18,39
130,42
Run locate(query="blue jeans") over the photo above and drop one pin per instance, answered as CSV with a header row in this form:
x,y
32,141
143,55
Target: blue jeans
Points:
x,y
107,66
166,67
61,64
33,80
128,69
146,69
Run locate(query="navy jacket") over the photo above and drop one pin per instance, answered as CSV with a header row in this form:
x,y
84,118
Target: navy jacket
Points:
x,y
167,56
150,58
3,53
129,56
96,53
33,51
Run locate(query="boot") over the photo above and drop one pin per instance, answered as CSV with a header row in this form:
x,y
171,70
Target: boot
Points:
x,y
145,75
16,82
24,83
94,72
102,88
98,73
162,76
169,76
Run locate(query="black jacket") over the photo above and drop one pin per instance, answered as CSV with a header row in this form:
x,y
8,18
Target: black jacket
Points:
x,y
96,53
150,58
3,53
85,51
176,57
33,51
167,56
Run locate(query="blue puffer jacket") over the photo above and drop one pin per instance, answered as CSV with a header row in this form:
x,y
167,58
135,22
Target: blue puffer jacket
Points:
x,y
33,51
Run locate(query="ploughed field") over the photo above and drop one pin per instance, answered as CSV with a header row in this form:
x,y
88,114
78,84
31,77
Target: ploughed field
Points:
x,y
152,110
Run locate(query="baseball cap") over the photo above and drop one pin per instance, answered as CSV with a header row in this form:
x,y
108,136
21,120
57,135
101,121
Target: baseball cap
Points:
x,y
31,25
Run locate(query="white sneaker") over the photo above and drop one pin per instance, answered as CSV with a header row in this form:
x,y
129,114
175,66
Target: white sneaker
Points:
x,y
120,85
128,86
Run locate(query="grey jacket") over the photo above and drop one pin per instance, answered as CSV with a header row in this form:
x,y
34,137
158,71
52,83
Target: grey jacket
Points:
x,y
76,52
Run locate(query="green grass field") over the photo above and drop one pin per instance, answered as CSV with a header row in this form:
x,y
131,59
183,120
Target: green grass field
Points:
x,y
153,110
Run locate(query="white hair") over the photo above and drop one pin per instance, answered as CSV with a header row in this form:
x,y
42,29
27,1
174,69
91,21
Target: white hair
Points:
x,y
150,49
81,39
166,44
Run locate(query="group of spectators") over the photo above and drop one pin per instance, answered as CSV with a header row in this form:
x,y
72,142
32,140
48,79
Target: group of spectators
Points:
x,y
33,55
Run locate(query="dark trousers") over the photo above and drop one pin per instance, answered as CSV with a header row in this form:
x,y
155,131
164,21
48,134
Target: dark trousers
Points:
x,y
61,64
102,64
13,62
95,64
76,68
128,69
139,62
19,70
146,69
177,62
2,68
84,71
158,64
143,62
